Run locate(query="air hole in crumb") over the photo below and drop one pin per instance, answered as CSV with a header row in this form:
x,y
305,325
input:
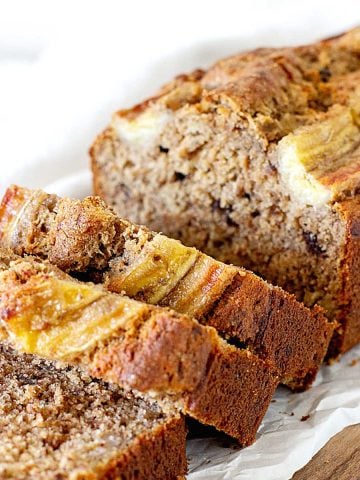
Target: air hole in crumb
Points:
x,y
227,210
271,169
325,74
163,149
179,176
156,258
255,213
44,228
216,205
230,222
122,190
218,243
237,343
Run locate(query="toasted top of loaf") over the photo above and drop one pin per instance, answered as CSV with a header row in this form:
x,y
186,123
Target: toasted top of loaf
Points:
x,y
277,88
58,423
87,236
302,105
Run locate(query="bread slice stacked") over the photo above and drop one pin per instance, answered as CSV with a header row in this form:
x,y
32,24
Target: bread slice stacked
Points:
x,y
144,346
86,237
256,162
149,349
58,423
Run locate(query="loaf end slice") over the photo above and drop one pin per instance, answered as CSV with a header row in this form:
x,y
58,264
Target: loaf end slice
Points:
x,y
251,167
57,422
87,237
149,349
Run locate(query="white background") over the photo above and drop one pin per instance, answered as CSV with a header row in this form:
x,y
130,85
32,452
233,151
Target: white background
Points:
x,y
66,66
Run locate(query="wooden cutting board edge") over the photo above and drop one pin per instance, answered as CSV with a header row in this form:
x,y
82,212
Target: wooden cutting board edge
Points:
x,y
339,459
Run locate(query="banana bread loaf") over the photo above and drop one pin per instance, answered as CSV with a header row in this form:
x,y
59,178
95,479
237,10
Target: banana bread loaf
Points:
x,y
255,162
57,423
138,346
87,236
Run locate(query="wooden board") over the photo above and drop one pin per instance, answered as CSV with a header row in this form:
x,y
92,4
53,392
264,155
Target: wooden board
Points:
x,y
339,459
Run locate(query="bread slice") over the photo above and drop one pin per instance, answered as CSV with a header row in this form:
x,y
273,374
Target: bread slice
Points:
x,y
58,423
87,236
138,346
257,163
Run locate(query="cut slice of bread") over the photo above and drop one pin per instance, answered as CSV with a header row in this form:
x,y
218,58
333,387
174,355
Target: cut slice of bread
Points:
x,y
138,346
57,423
88,237
257,163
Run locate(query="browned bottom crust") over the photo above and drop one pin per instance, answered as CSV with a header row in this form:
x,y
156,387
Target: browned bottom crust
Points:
x,y
159,456
271,323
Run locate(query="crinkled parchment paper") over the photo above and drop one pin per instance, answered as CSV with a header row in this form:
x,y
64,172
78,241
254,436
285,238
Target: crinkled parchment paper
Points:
x,y
293,430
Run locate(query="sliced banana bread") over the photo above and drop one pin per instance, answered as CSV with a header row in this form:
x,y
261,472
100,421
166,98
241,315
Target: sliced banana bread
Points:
x,y
57,423
255,162
87,236
138,346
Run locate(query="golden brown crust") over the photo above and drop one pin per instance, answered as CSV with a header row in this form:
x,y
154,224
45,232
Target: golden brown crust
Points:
x,y
179,348
275,89
159,456
246,419
348,333
287,81
275,326
79,231
78,226
235,381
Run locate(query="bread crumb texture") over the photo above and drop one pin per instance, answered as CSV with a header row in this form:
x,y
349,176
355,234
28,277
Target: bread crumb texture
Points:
x,y
58,423
252,163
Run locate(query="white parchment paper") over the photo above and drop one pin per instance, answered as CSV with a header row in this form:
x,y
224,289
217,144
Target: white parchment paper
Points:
x,y
295,427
